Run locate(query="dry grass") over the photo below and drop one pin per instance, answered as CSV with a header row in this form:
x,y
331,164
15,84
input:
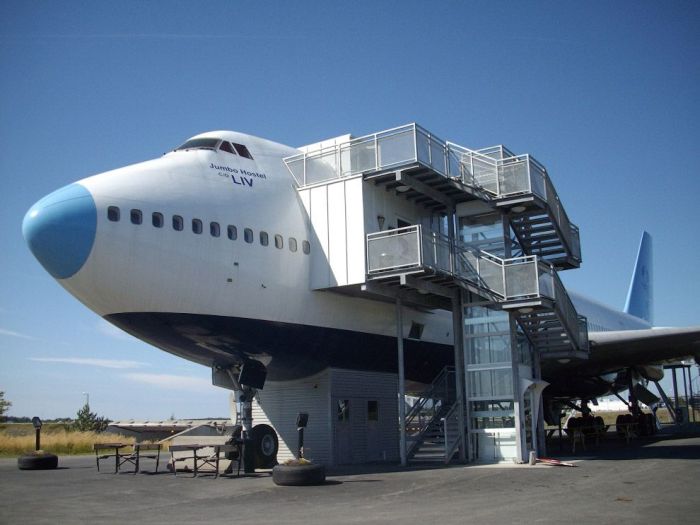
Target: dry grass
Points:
x,y
18,439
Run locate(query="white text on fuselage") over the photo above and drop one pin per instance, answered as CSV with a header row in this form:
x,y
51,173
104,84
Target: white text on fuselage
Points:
x,y
240,177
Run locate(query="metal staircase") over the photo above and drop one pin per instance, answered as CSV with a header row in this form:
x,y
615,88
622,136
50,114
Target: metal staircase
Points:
x,y
426,420
520,184
525,285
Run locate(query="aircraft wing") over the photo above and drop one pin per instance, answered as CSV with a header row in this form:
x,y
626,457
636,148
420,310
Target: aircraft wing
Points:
x,y
614,350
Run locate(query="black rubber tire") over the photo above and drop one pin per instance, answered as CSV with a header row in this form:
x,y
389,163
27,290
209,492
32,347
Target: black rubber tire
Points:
x,y
299,475
33,462
265,446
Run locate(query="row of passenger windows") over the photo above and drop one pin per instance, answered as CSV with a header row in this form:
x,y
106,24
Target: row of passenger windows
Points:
x,y
178,224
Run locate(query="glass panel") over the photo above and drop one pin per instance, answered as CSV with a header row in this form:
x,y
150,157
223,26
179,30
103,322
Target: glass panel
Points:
x,y
485,383
178,223
493,414
113,213
321,167
372,410
196,226
292,244
248,235
521,279
396,148
214,229
264,238
157,219
343,410
393,251
306,247
136,216
232,232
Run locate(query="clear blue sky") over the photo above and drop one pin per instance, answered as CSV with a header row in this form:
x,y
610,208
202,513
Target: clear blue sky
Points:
x,y
605,94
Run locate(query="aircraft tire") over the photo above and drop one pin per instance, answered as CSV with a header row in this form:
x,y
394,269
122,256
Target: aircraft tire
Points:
x,y
37,462
265,445
296,475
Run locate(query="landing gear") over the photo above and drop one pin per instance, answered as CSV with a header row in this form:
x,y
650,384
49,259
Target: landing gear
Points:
x,y
260,444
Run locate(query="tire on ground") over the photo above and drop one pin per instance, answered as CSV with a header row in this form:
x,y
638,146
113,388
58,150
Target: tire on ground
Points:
x,y
295,475
34,462
265,445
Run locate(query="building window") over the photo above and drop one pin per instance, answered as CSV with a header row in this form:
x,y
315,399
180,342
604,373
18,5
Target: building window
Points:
x,y
113,213
196,226
279,242
343,410
292,244
226,146
372,410
242,151
248,235
306,247
157,219
214,229
264,238
178,223
136,217
232,232
416,331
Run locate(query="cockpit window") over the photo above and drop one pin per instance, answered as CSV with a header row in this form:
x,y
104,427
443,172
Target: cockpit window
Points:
x,y
242,151
226,146
203,143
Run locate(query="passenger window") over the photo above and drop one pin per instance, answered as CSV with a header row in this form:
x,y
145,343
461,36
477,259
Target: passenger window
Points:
x,y
292,244
242,151
178,223
157,219
214,229
248,235
264,238
279,242
113,214
196,226
226,146
232,232
306,247
136,217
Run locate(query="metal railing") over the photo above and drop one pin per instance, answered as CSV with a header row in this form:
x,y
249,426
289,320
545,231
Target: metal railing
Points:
x,y
501,174
450,425
379,151
442,390
411,249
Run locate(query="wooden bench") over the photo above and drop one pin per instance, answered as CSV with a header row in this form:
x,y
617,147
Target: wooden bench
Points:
x,y
208,461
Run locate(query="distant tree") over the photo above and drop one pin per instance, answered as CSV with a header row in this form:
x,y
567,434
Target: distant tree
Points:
x,y
4,405
87,421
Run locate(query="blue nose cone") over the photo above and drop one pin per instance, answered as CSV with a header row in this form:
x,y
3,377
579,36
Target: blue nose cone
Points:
x,y
60,230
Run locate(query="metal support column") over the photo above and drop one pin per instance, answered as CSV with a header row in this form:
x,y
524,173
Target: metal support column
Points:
x,y
541,440
517,398
402,385
458,330
675,395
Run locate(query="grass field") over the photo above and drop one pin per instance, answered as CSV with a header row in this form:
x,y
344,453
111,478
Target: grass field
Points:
x,y
18,438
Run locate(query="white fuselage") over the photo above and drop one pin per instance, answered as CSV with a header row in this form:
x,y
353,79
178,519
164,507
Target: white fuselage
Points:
x,y
149,268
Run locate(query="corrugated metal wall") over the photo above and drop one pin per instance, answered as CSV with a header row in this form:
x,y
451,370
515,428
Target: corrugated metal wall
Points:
x,y
329,439
280,402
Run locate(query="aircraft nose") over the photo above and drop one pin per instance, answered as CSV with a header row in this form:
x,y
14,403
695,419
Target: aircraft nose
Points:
x,y
60,230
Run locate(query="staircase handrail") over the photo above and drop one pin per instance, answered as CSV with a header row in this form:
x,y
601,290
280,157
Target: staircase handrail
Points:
x,y
429,394
451,447
565,306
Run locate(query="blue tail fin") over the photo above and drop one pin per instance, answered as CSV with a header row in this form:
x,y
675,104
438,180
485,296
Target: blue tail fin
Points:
x,y
640,297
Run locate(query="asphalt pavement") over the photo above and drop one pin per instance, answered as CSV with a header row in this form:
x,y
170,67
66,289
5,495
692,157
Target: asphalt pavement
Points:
x,y
652,481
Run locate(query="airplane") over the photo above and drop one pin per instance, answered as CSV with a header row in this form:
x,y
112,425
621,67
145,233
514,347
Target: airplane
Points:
x,y
205,253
